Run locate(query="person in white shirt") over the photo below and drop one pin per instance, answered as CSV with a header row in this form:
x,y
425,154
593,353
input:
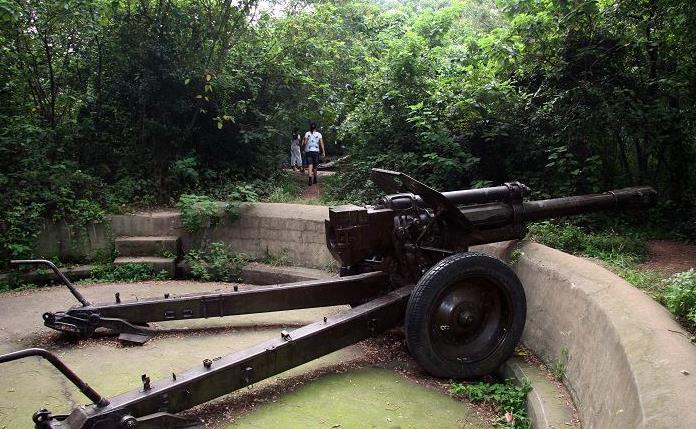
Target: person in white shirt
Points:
x,y
295,154
314,145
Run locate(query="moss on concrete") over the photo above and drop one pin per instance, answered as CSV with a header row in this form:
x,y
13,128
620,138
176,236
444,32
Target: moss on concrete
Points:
x,y
365,398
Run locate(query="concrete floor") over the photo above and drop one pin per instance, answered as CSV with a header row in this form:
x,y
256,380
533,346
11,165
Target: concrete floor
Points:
x,y
110,368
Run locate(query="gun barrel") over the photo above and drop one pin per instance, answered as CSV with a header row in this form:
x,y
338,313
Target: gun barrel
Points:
x,y
507,192
482,195
501,221
638,196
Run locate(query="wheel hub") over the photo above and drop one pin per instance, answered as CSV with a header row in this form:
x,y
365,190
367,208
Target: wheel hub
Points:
x,y
468,320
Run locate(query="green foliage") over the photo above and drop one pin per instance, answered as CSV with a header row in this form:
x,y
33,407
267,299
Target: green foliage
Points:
x,y
515,255
9,284
621,252
285,192
217,262
509,397
110,273
680,295
606,245
107,106
198,211
279,259
558,368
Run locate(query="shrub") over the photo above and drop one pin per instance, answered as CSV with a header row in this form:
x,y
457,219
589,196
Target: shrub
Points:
x,y
108,273
680,295
196,211
508,397
216,263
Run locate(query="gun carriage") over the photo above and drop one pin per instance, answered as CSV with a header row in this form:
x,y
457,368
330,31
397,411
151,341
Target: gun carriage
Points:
x,y
404,260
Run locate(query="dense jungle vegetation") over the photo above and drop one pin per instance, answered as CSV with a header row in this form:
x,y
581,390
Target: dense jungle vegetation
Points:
x,y
107,105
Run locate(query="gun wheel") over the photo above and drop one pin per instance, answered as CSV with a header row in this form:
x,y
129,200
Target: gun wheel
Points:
x,y
465,316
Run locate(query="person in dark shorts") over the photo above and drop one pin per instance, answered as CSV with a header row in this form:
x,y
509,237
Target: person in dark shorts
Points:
x,y
314,145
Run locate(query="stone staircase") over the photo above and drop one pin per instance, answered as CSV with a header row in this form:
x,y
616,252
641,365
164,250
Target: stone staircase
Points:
x,y
149,238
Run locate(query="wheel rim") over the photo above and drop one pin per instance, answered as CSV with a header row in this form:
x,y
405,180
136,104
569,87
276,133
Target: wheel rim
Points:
x,y
469,319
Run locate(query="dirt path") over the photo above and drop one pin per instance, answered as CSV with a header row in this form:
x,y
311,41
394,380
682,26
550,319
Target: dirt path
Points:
x,y
314,192
669,257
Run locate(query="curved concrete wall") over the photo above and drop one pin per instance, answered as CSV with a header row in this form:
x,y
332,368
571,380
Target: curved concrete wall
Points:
x,y
626,353
295,229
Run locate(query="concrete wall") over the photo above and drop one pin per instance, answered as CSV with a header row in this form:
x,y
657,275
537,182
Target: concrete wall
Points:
x,y
296,229
61,240
626,352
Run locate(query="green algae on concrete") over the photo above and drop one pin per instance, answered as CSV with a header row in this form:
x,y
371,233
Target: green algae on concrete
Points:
x,y
365,398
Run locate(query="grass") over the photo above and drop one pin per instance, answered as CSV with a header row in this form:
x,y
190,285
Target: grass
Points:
x,y
558,368
285,192
280,259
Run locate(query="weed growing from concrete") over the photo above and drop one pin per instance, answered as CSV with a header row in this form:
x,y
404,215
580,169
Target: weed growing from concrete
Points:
x,y
509,399
110,273
558,368
217,262
197,211
280,259
515,256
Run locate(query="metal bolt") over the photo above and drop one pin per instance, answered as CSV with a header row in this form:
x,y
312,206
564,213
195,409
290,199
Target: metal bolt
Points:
x,y
465,318
285,335
129,422
324,319
246,375
207,363
146,382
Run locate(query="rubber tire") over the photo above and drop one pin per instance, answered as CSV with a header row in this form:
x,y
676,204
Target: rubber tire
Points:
x,y
425,294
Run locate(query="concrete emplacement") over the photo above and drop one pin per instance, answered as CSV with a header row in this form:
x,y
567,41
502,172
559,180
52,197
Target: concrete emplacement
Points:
x,y
628,365
348,388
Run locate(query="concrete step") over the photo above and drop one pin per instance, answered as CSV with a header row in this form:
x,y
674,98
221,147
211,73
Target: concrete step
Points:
x,y
161,223
159,264
147,245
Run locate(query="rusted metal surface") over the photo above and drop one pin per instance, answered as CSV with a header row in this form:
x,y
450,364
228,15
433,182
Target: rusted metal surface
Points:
x,y
406,233
219,376
129,317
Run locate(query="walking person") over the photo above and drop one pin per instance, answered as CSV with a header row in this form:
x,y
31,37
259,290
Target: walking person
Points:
x,y
314,145
295,154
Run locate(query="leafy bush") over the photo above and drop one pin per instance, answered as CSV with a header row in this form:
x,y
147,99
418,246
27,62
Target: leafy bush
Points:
x,y
508,397
680,295
110,273
216,263
198,211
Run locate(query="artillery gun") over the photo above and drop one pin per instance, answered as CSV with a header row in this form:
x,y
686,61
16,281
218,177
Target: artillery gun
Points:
x,y
403,260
